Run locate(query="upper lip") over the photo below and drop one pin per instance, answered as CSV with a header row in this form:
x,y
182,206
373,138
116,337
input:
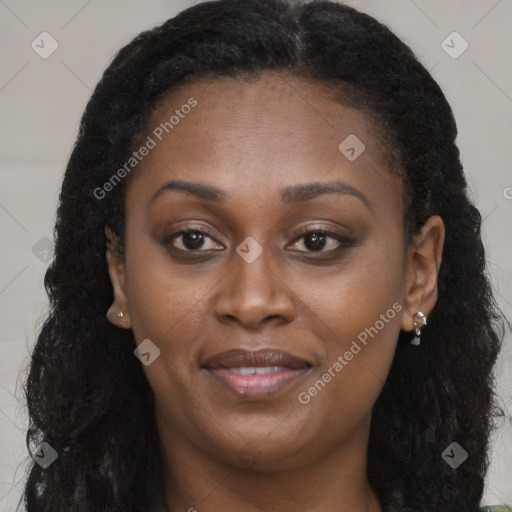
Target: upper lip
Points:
x,y
239,358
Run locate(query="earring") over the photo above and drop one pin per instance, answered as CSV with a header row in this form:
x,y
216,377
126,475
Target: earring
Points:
x,y
418,324
120,315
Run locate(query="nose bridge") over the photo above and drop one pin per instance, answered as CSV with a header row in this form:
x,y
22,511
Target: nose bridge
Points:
x,y
253,275
252,291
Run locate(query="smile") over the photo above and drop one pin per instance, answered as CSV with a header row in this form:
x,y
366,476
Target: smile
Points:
x,y
255,375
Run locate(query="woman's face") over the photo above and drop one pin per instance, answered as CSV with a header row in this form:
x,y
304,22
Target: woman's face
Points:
x,y
253,165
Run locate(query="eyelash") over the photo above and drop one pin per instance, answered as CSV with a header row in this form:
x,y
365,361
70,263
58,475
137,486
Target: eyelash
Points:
x,y
344,242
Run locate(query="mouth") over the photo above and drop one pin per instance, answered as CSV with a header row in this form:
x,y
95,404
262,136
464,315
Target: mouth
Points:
x,y
258,374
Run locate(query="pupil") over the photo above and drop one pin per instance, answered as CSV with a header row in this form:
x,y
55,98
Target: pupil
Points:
x,y
315,245
195,238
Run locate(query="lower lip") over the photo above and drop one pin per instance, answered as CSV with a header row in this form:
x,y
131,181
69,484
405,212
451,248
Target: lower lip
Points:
x,y
257,386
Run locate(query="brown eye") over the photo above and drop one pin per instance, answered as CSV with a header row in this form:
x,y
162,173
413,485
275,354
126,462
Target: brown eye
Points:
x,y
316,240
190,240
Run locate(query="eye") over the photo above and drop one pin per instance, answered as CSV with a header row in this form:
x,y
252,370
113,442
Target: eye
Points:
x,y
315,240
190,240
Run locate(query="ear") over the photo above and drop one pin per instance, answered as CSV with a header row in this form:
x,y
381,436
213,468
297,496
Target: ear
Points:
x,y
118,313
423,261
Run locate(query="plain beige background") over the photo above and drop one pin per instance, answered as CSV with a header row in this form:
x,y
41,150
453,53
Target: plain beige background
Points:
x,y
41,102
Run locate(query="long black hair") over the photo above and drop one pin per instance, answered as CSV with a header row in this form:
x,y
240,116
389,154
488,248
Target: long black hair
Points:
x,y
87,394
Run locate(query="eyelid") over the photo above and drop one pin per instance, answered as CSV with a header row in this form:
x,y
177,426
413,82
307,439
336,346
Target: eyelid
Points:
x,y
344,241
190,228
320,228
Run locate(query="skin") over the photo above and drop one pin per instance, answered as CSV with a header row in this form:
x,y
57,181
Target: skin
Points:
x,y
220,451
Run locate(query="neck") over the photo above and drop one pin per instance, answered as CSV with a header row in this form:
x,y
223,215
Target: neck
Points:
x,y
334,482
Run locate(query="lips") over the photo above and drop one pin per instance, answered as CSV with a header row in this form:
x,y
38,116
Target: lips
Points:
x,y
238,358
255,374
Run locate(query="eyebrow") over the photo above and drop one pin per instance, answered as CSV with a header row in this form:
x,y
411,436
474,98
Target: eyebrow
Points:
x,y
289,195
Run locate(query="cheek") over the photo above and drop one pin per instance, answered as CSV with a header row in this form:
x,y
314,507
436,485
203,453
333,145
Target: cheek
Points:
x,y
157,297
353,297
164,302
362,307
167,302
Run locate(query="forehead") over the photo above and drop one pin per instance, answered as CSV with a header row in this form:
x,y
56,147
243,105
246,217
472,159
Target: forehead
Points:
x,y
259,136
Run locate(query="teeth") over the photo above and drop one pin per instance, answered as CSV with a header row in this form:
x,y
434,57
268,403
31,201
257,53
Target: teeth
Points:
x,y
267,369
258,370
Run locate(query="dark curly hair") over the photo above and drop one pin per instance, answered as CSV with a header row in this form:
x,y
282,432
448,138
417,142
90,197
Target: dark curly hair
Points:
x,y
87,394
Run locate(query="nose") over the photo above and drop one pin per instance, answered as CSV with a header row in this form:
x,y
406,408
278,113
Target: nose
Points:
x,y
254,294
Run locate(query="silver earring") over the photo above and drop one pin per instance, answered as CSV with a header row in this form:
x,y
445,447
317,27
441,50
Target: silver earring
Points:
x,y
112,315
120,315
419,321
